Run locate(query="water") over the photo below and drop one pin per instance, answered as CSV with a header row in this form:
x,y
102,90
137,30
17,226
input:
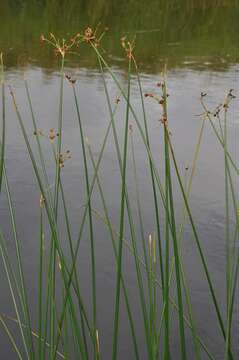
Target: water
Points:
x,y
199,45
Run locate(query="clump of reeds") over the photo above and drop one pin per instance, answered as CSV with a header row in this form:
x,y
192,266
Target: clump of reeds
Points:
x,y
66,327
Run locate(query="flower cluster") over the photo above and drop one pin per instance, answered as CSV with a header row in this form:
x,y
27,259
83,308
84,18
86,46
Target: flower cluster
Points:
x,y
71,81
128,47
61,46
63,158
161,100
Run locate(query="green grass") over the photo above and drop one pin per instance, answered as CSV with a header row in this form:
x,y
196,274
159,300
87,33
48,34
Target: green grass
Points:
x,y
66,326
200,28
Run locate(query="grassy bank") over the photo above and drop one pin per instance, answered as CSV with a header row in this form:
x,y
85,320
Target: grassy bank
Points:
x,y
212,25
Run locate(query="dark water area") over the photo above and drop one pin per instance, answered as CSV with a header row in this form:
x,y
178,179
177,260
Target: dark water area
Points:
x,y
198,42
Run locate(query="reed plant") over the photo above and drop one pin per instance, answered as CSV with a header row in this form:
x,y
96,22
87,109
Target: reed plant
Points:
x,y
67,327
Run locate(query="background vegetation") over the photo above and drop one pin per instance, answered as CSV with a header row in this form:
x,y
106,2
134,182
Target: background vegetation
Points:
x,y
173,30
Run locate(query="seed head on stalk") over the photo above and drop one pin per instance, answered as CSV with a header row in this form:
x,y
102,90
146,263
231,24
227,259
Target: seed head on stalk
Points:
x,y
61,46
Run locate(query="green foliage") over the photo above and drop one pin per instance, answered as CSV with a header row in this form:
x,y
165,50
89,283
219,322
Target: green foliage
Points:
x,y
172,30
66,326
